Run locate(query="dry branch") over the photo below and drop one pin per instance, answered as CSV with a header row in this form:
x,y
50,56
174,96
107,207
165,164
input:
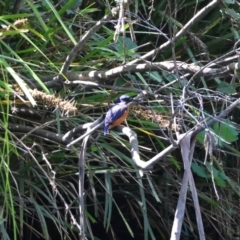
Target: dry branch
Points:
x,y
179,34
169,66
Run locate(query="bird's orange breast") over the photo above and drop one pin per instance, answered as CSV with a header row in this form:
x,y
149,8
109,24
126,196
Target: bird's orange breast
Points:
x,y
119,120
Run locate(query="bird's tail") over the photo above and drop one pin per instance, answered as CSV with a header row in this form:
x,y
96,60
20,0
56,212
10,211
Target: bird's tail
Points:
x,y
105,130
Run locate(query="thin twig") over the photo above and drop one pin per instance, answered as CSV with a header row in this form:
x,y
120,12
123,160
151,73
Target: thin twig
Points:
x,y
82,42
186,27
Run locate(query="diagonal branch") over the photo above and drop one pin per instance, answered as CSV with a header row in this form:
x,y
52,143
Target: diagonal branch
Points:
x,y
169,66
78,47
186,27
194,131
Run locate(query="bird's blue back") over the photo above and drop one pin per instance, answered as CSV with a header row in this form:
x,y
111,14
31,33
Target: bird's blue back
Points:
x,y
116,113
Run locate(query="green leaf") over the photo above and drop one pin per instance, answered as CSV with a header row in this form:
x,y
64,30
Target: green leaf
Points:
x,y
200,137
199,170
220,182
237,73
155,76
219,177
126,44
225,132
223,176
229,1
208,200
20,82
225,87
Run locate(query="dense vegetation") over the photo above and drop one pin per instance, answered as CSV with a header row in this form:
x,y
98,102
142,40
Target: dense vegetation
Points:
x,y
172,173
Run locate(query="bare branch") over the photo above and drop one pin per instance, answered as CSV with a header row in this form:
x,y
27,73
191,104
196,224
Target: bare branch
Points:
x,y
82,42
194,131
145,67
185,28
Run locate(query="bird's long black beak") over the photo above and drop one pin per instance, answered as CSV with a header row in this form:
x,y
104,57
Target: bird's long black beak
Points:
x,y
133,101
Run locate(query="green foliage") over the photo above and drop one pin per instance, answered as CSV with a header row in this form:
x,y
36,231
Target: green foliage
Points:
x,y
200,171
226,132
227,88
208,172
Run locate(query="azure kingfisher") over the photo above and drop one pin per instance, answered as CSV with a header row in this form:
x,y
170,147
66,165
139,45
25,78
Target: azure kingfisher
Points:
x,y
117,113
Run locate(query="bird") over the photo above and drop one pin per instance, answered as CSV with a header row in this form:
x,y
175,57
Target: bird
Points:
x,y
117,113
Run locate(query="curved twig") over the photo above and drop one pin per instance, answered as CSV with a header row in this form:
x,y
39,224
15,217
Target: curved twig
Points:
x,y
82,42
186,27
